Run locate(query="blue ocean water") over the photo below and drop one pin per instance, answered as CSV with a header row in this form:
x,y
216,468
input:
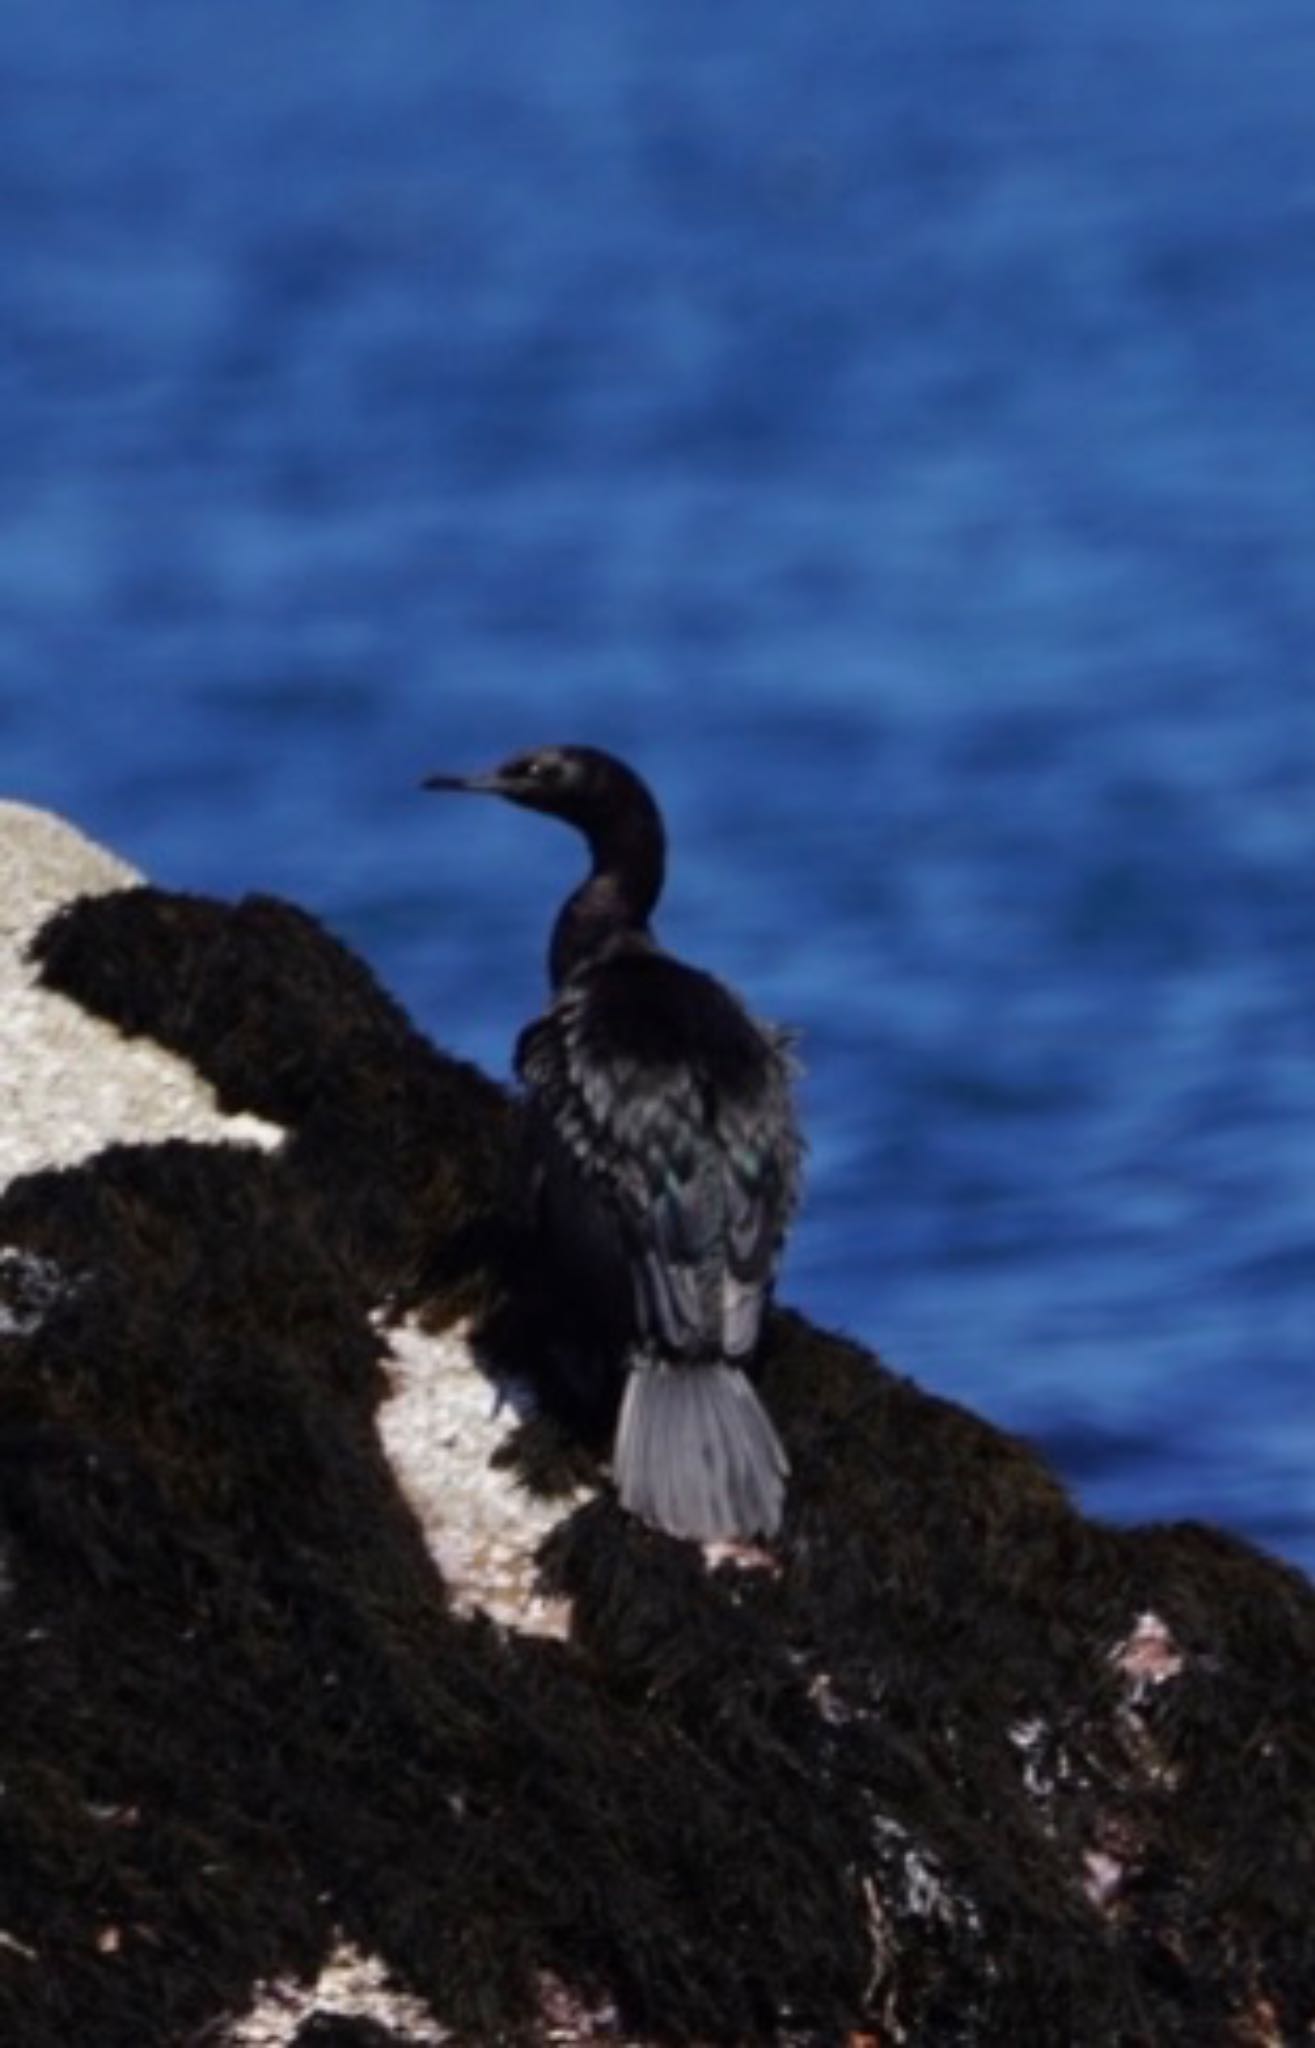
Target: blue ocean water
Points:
x,y
894,428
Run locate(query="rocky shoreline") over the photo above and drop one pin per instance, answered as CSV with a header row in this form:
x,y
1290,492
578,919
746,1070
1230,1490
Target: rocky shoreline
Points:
x,y
343,1704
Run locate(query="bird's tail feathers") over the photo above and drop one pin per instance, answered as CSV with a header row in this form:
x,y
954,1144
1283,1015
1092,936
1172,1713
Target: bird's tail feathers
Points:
x,y
696,1453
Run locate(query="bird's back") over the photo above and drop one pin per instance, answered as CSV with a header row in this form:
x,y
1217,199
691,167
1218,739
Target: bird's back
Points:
x,y
666,1143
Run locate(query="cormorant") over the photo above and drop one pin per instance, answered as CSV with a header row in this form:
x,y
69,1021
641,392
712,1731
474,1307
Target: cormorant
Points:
x,y
665,1156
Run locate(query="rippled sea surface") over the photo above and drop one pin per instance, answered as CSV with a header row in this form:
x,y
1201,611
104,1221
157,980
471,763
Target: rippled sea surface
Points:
x,y
894,428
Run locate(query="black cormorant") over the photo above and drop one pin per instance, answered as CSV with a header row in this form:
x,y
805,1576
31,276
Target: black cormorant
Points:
x,y
665,1156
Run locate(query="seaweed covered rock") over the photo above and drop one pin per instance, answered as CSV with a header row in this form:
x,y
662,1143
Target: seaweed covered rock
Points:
x,y
342,1704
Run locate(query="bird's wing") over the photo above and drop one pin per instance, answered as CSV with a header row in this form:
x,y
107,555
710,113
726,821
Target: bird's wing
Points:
x,y
761,1151
700,1179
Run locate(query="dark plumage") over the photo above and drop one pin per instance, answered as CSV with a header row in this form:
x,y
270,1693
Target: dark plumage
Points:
x,y
666,1160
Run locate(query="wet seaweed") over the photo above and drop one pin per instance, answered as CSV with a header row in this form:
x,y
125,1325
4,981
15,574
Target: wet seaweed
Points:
x,y
853,1792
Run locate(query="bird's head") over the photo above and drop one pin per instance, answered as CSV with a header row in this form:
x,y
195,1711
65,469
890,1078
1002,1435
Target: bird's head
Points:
x,y
583,785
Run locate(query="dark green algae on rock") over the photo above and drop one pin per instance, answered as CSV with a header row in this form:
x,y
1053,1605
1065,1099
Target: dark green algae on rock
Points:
x,y
951,1765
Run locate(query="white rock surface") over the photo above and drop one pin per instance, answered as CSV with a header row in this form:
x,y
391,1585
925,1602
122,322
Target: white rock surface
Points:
x,y
70,1083
440,1429
350,1986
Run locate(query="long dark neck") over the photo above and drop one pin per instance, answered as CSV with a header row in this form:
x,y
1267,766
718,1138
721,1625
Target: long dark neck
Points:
x,y
628,849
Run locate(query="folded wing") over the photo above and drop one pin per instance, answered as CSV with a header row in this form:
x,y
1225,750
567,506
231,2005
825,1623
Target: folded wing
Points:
x,y
669,1107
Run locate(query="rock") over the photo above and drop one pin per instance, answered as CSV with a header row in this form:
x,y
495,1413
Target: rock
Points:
x,y
343,1704
71,1083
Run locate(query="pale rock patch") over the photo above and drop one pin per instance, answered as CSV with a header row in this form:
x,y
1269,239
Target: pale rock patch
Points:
x,y
70,1083
350,1986
441,1428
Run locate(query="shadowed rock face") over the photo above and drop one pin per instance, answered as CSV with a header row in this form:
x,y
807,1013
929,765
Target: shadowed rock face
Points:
x,y
952,1766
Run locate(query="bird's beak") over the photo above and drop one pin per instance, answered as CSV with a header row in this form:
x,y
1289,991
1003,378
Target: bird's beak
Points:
x,y
476,785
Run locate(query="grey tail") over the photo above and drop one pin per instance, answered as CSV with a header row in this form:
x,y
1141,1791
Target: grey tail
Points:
x,y
696,1454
